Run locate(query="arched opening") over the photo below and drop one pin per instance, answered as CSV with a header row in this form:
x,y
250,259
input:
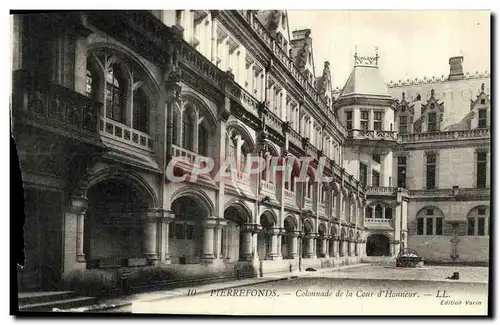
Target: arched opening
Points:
x,y
115,93
350,243
231,234
264,237
188,127
321,242
378,245
307,241
113,231
239,145
287,245
347,210
186,230
140,111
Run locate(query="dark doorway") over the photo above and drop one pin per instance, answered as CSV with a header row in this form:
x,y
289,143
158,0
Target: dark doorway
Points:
x,y
377,245
43,240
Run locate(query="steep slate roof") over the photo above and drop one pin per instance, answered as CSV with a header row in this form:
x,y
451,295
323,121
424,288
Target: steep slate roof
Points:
x,y
365,80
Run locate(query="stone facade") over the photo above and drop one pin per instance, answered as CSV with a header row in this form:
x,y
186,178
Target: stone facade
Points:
x,y
115,97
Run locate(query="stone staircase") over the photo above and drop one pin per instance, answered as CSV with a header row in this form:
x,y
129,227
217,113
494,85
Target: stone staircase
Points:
x,y
50,300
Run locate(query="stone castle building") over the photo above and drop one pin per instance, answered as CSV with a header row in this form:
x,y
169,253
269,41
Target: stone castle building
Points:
x,y
102,102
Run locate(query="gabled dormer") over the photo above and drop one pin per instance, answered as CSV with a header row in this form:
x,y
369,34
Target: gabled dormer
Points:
x,y
405,112
276,23
432,115
302,53
480,109
323,84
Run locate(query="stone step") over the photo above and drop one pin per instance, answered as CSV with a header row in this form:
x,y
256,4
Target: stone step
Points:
x,y
59,304
29,298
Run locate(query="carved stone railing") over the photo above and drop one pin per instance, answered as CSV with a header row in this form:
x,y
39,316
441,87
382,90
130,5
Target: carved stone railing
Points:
x,y
295,138
378,221
449,192
185,154
308,204
274,121
54,107
248,101
372,135
125,134
268,188
444,136
377,190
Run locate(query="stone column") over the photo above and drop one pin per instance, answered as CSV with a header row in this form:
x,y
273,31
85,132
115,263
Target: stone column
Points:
x,y
246,242
74,219
335,246
213,43
272,254
392,248
325,246
164,239
280,239
149,240
218,235
208,240
79,208
294,245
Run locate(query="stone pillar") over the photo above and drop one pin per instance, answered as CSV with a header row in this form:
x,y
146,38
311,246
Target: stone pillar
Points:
x,y
246,242
208,240
294,245
164,239
149,240
392,248
213,43
218,238
272,254
335,246
74,258
280,239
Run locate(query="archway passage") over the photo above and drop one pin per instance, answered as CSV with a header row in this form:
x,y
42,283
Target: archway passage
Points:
x,y
113,230
307,241
378,245
288,246
232,236
186,230
264,244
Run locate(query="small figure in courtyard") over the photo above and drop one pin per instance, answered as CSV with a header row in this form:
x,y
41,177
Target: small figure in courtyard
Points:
x,y
455,276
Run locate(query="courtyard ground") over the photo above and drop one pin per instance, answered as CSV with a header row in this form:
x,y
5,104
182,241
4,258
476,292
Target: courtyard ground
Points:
x,y
355,290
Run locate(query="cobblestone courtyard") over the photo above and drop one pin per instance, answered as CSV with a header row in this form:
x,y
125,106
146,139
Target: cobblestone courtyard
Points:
x,y
367,289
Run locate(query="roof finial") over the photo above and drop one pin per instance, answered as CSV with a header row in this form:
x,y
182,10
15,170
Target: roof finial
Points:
x,y
403,95
432,92
482,87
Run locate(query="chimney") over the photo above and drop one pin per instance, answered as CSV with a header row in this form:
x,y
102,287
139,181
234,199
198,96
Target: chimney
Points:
x,y
456,69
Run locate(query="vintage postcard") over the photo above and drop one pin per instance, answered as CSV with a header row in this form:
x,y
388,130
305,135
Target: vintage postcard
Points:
x,y
253,162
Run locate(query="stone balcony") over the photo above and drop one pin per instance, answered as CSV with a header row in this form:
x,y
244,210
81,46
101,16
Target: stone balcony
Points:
x,y
381,191
115,132
379,223
357,134
54,108
452,193
444,136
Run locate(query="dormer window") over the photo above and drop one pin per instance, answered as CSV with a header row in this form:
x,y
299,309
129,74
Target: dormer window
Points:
x,y
432,122
483,101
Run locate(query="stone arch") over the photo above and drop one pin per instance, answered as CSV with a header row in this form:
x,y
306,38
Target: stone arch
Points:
x,y
241,207
199,195
130,177
378,244
240,128
436,211
289,239
308,226
203,109
290,222
236,213
268,217
153,88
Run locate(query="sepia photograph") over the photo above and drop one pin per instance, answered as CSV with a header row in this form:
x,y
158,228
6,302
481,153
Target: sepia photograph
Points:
x,y
251,162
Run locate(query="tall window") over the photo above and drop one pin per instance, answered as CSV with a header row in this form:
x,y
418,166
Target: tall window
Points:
x,y
403,124
379,211
369,212
476,224
482,118
364,120
202,140
175,128
348,118
187,130
114,95
363,170
431,171
388,213
430,224
432,124
375,178
402,172
141,112
481,169
377,121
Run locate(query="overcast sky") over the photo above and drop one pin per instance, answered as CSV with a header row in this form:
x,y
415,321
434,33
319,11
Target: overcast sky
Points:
x,y
411,43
